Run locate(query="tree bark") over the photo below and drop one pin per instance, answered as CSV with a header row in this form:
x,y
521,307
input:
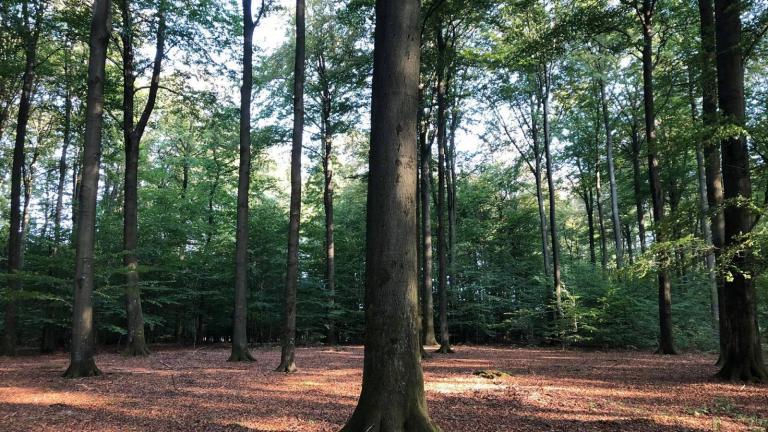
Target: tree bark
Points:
x,y
612,179
666,343
392,397
240,350
544,90
637,184
330,247
16,235
287,361
82,349
537,157
600,215
63,159
712,170
427,304
132,134
442,246
742,359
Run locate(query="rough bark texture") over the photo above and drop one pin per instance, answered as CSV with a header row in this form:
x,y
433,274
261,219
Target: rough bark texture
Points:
x,y
287,363
742,358
240,316
442,244
16,235
82,348
666,344
392,397
615,216
132,134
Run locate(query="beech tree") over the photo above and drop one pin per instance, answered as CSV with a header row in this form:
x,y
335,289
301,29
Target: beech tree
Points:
x,y
288,352
392,396
82,362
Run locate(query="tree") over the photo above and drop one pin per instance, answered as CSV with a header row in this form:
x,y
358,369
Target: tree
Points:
x,y
646,14
743,358
392,397
82,363
31,33
287,363
132,134
239,322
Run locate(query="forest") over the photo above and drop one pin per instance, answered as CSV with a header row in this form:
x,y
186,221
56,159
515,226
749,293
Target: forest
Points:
x,y
383,215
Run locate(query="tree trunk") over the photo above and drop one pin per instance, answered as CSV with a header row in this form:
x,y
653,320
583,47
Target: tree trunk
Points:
x,y
544,90
427,312
713,172
704,206
132,134
666,343
612,179
16,235
742,359
392,397
287,363
240,350
537,156
638,183
330,258
600,214
63,160
442,246
82,349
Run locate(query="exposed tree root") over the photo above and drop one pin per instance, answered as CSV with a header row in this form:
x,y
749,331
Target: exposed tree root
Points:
x,y
287,367
743,371
240,354
445,349
82,370
377,421
137,350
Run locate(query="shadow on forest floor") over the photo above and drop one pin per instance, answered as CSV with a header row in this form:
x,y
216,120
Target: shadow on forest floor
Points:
x,y
542,389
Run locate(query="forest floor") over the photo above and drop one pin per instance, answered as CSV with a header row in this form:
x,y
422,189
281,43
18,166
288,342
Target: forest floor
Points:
x,y
541,390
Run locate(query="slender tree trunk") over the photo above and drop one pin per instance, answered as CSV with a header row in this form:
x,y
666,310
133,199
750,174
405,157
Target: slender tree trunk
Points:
x,y
82,348
666,343
711,150
743,358
630,248
392,397
16,236
704,206
287,363
638,184
132,134
427,312
600,214
240,350
330,259
612,179
63,160
557,284
537,156
589,206
442,246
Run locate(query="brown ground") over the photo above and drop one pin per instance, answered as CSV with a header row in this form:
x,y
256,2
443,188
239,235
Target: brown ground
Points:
x,y
545,390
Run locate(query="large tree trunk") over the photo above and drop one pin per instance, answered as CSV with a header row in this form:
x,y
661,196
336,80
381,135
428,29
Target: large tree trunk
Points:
x,y
240,317
427,311
612,179
544,90
442,246
637,184
711,149
666,344
16,235
82,349
743,358
132,134
287,363
392,397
